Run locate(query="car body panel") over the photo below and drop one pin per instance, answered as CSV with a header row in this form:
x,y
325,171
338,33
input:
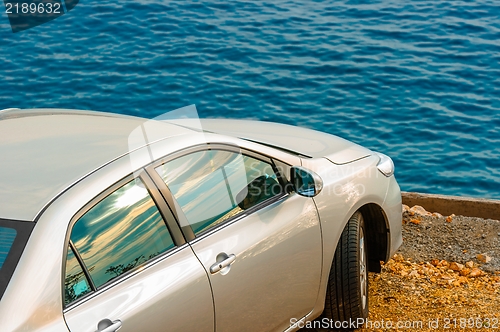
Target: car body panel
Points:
x,y
278,260
305,141
391,206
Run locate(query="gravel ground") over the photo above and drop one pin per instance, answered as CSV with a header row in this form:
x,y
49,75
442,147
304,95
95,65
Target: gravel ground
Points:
x,y
455,239
437,281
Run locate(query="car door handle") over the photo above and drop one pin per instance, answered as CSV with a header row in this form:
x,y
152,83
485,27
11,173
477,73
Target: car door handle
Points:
x,y
222,264
106,325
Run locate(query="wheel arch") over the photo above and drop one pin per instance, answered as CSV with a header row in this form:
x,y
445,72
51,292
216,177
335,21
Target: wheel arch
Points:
x,y
378,234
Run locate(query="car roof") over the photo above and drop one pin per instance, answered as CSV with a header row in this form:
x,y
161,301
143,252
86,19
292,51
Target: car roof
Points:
x,y
44,151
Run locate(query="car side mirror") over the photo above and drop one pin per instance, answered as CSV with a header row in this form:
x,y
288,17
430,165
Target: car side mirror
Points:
x,y
305,182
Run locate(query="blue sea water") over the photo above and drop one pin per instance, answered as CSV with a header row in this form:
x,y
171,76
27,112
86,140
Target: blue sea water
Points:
x,y
417,80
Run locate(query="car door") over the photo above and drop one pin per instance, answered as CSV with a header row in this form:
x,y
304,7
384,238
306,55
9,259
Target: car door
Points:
x,y
260,245
128,269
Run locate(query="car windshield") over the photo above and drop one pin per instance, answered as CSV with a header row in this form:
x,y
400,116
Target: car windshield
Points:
x,y
13,238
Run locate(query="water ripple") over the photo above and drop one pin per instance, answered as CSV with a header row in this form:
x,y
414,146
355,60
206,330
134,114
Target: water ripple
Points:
x,y
417,80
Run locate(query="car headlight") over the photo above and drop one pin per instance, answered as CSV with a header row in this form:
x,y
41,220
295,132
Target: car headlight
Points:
x,y
385,164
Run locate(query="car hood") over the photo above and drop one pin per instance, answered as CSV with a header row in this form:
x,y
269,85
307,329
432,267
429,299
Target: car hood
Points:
x,y
303,141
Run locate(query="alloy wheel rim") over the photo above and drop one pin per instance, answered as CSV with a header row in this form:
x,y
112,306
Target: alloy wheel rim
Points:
x,y
363,277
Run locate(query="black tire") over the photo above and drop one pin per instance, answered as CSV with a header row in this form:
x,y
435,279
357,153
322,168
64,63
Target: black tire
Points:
x,y
347,290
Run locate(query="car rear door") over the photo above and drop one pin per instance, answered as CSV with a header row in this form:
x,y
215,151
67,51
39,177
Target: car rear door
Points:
x,y
127,268
260,245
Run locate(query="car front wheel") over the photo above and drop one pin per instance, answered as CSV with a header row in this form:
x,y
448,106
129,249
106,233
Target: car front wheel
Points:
x,y
347,290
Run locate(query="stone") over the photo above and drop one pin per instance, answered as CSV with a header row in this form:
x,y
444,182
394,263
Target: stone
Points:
x,y
457,267
475,273
483,258
415,221
465,272
398,258
417,209
469,264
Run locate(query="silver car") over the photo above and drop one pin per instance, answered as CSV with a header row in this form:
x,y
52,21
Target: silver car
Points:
x,y
110,222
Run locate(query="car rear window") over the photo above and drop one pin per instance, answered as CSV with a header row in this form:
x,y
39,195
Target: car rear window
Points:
x,y
7,236
13,238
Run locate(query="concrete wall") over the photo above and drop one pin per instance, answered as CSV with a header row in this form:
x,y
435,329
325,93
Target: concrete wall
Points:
x,y
446,205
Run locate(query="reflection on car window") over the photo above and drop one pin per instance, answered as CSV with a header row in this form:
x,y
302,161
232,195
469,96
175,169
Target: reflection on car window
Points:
x,y
213,186
75,283
120,232
13,238
7,236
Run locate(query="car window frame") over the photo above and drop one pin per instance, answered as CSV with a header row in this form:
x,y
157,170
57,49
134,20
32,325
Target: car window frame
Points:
x,y
167,215
175,207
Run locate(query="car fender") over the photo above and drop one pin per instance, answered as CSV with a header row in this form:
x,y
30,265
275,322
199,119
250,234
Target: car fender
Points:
x,y
346,188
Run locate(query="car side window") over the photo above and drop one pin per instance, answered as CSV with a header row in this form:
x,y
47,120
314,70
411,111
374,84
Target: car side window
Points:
x,y
76,283
121,232
212,186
